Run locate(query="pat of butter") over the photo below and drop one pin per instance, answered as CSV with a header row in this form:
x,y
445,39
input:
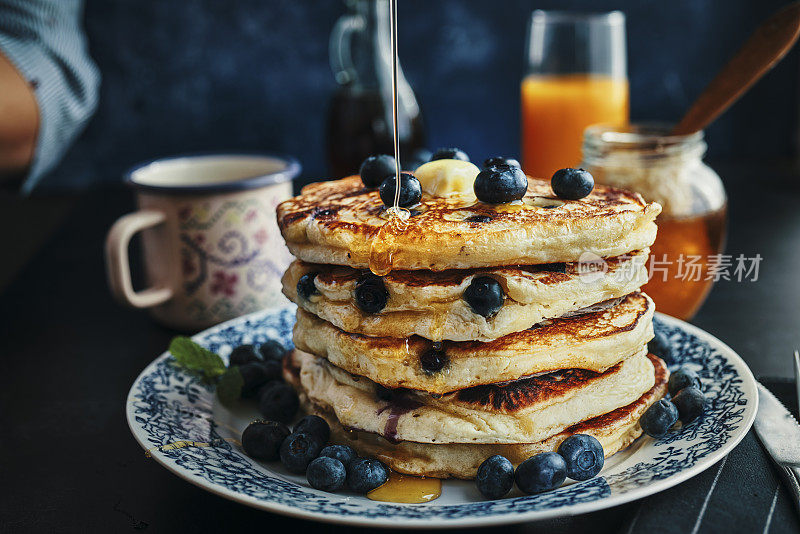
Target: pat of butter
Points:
x,y
447,177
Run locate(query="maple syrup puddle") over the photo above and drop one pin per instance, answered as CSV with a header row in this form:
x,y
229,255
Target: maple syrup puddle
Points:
x,y
407,489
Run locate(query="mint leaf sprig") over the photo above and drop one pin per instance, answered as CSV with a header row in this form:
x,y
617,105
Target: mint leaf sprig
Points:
x,y
210,366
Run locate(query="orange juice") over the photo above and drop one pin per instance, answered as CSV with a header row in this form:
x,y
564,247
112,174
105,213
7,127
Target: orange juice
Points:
x,y
555,111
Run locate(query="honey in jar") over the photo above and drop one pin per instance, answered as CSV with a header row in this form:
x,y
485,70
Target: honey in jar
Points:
x,y
685,258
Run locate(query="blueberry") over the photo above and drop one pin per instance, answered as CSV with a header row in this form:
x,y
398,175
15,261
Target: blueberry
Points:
x,y
500,184
243,354
572,184
262,439
683,378
278,402
343,453
326,474
433,360
659,418
417,158
314,424
478,218
410,190
272,349
450,153
297,451
371,294
375,169
660,346
255,375
543,472
584,456
484,295
691,403
495,477
306,286
274,369
501,161
366,474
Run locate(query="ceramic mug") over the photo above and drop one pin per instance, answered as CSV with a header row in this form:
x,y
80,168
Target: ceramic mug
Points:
x,y
210,240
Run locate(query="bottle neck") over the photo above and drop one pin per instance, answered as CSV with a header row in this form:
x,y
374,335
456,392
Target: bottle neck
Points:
x,y
371,55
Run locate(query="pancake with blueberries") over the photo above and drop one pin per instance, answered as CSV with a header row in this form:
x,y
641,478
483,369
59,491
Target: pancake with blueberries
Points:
x,y
457,305
338,222
522,411
593,341
615,430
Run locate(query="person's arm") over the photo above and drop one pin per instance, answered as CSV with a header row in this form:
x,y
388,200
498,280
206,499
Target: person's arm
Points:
x,y
19,124
44,56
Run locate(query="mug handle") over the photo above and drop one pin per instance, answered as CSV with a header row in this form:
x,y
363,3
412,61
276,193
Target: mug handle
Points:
x,y
117,262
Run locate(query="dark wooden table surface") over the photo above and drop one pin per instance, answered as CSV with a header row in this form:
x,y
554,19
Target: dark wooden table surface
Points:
x,y
69,355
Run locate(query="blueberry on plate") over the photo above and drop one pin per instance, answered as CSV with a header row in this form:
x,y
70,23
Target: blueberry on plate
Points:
x,y
484,295
572,184
343,453
306,286
297,451
262,439
278,401
683,378
433,360
543,472
314,424
500,184
371,294
584,456
326,474
501,161
272,349
375,169
450,153
660,346
691,403
243,354
366,474
495,477
659,418
410,190
255,375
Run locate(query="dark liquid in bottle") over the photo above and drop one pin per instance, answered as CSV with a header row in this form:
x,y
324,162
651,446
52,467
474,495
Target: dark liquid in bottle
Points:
x,y
359,125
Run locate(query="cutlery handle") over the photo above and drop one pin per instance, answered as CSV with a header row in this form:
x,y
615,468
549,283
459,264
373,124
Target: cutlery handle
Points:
x,y
791,475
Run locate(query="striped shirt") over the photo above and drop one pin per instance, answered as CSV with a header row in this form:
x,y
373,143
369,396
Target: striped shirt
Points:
x,y
44,39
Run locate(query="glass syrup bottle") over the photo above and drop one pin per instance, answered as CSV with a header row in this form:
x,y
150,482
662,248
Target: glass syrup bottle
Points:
x,y
359,121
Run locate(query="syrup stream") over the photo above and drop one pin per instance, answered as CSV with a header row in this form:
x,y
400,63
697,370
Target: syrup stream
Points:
x,y
395,129
383,245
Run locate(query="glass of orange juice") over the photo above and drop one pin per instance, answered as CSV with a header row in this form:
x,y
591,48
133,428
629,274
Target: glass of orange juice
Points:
x,y
576,76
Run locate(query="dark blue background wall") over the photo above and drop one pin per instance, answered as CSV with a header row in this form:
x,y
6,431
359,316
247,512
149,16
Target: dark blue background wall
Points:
x,y
198,75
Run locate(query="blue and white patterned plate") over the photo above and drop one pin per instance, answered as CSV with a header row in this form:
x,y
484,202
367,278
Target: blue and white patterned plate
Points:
x,y
179,421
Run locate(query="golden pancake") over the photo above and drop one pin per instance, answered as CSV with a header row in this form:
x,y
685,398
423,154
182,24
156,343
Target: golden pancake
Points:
x,y
431,304
524,411
338,222
594,341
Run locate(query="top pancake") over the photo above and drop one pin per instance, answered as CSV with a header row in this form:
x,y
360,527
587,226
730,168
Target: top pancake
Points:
x,y
339,222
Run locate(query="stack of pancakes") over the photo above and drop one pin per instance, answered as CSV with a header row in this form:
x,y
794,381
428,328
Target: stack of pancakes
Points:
x,y
430,386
